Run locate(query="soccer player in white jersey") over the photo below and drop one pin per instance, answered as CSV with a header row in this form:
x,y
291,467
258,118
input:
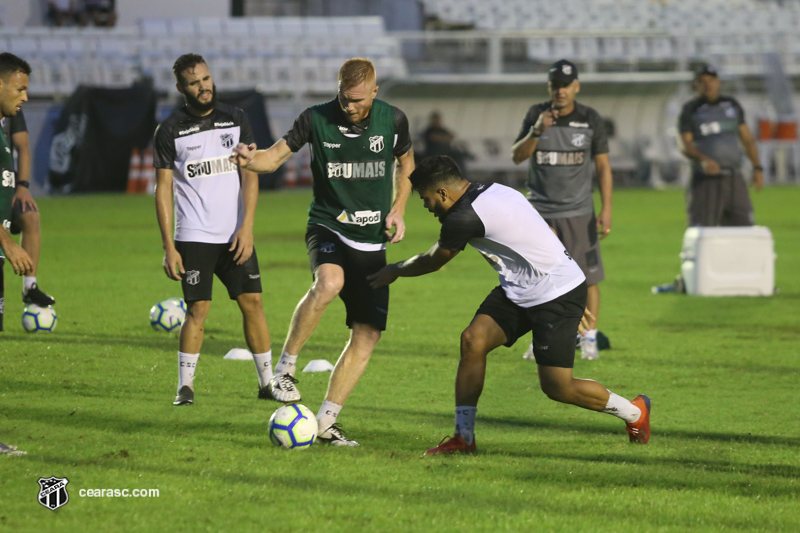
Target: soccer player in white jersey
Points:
x,y
215,205
542,290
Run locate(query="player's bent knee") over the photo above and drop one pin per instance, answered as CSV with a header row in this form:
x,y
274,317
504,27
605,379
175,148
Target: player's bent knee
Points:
x,y
29,220
197,311
472,342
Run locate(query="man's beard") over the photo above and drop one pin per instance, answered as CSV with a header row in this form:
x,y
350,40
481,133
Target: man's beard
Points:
x,y
197,105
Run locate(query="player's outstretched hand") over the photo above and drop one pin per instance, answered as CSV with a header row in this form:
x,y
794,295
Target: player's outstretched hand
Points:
x,y
395,220
20,260
24,197
243,244
385,276
173,264
243,154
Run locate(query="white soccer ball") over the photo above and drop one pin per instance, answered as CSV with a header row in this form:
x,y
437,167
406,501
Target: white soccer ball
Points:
x,y
168,315
36,318
293,426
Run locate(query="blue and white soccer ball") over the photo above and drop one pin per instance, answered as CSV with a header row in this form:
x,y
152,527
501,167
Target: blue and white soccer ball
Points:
x,y
36,318
293,426
168,315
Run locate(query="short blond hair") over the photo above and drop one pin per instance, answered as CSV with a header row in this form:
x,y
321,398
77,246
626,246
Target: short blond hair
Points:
x,y
354,72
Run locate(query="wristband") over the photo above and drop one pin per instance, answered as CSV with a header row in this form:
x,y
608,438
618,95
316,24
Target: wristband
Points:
x,y
758,167
23,183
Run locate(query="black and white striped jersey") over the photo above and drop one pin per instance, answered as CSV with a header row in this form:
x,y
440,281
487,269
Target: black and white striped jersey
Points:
x,y
206,185
501,224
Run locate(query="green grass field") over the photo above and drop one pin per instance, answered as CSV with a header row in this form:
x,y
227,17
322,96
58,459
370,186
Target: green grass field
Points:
x,y
92,401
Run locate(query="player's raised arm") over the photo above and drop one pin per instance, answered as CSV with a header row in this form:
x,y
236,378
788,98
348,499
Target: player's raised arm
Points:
x,y
261,161
419,265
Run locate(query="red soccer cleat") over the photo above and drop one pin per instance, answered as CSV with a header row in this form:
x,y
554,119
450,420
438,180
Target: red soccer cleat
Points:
x,y
450,445
639,431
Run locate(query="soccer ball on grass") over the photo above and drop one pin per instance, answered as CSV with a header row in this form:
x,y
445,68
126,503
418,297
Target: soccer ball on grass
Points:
x,y
36,318
168,315
293,426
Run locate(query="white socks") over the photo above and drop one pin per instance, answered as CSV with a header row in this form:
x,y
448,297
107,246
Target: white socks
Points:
x,y
28,282
327,414
465,422
187,362
287,364
263,363
622,408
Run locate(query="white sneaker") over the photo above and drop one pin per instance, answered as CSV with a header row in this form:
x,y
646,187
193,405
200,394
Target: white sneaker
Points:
x,y
529,355
589,349
335,437
282,388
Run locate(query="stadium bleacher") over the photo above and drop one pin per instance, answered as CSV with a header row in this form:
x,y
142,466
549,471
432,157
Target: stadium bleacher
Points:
x,y
278,55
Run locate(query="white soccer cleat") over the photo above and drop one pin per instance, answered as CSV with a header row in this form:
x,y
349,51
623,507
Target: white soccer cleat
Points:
x,y
589,349
335,437
282,388
529,355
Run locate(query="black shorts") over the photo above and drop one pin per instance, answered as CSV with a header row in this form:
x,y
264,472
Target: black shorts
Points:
x,y
719,201
202,260
578,234
554,324
364,304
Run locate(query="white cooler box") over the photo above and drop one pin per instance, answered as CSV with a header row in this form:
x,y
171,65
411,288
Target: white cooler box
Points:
x,y
728,261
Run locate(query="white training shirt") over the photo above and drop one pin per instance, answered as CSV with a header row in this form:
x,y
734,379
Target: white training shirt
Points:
x,y
206,185
500,223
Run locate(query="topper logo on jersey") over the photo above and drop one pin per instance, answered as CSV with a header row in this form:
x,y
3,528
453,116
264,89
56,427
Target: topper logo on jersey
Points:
x,y
331,145
559,159
360,170
376,143
227,140
360,218
214,166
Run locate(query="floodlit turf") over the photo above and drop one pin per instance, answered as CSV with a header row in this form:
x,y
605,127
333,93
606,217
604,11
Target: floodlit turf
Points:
x,y
92,401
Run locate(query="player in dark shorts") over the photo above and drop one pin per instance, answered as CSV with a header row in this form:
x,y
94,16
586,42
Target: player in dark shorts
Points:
x,y
542,290
14,73
714,137
355,141
566,145
215,205
25,213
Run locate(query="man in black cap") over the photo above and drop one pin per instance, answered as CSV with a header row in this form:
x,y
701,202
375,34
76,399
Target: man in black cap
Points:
x,y
566,145
714,132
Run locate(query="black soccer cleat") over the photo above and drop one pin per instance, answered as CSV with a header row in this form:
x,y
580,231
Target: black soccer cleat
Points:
x,y
34,295
185,396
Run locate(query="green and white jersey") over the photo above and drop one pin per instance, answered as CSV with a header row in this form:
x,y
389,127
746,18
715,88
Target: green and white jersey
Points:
x,y
353,167
7,185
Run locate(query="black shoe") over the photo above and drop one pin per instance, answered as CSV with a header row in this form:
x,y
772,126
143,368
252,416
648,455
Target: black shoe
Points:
x,y
185,396
34,295
602,341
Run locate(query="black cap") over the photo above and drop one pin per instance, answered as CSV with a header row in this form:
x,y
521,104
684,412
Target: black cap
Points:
x,y
705,69
563,72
